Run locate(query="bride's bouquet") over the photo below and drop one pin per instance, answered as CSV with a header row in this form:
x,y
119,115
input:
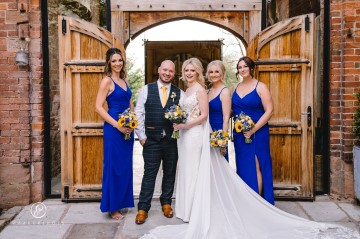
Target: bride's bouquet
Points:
x,y
219,139
243,123
176,115
128,119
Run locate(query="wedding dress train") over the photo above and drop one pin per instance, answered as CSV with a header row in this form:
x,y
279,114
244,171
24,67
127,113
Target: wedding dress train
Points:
x,y
224,207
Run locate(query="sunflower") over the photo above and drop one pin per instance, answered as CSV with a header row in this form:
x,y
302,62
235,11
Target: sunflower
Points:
x,y
238,127
133,124
213,144
121,121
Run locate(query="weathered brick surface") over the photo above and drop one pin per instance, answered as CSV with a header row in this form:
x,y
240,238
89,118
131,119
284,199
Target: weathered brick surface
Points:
x,y
14,174
344,82
21,107
14,194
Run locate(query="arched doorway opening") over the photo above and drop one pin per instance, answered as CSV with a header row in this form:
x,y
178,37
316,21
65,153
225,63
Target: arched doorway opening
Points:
x,y
174,34
232,47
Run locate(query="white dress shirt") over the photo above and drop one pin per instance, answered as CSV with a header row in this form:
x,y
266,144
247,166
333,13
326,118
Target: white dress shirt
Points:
x,y
140,106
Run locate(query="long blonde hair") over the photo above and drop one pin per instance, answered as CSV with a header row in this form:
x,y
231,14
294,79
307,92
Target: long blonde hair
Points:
x,y
220,66
198,69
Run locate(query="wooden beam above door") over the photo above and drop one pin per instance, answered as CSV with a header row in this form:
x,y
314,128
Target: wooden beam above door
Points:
x,y
184,5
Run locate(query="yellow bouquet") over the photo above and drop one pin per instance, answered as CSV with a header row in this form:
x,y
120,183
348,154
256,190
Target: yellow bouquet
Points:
x,y
176,115
243,123
219,139
128,119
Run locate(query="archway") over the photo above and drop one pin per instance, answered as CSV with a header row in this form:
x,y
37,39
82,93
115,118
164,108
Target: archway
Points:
x,y
187,31
232,47
131,18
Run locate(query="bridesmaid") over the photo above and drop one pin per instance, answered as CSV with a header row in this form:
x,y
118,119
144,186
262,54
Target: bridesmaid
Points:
x,y
117,182
219,99
253,160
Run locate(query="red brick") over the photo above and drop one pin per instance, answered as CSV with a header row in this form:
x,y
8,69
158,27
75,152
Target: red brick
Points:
x,y
14,173
14,195
37,191
9,159
13,17
20,126
4,127
3,6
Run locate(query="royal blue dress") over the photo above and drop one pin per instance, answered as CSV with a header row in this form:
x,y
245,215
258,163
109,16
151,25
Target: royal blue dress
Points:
x,y
216,116
245,153
117,182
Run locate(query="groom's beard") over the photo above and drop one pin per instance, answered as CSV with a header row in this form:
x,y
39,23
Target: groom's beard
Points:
x,y
165,81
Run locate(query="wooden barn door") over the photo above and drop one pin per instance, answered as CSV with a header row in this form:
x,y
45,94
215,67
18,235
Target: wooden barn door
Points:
x,y
82,48
178,52
284,54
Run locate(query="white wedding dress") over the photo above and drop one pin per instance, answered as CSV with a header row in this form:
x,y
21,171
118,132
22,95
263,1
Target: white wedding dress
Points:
x,y
189,148
219,205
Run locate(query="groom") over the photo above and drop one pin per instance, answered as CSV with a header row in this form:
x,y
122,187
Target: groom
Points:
x,y
154,132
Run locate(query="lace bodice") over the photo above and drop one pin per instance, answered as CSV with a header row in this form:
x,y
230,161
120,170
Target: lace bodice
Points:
x,y
191,106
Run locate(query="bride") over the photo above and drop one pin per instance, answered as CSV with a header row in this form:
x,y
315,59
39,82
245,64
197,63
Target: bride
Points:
x,y
212,198
196,105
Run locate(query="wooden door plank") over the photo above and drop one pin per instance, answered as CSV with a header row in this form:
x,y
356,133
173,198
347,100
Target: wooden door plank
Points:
x,y
68,126
254,23
76,98
82,53
277,30
284,54
92,159
77,161
89,82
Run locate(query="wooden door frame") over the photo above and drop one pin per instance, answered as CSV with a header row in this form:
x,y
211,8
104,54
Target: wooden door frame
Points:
x,y
132,17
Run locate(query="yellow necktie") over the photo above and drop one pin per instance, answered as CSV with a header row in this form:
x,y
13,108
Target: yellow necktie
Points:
x,y
164,96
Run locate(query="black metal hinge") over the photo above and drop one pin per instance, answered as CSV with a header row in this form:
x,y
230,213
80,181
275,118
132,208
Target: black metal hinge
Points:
x,y
307,23
89,190
66,193
63,26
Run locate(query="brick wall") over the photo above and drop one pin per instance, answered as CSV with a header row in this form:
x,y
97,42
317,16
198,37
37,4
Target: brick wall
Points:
x,y
344,82
21,107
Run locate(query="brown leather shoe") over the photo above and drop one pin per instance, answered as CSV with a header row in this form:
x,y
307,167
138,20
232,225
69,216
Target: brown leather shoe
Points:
x,y
141,217
167,210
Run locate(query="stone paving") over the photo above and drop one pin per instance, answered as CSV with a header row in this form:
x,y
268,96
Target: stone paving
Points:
x,y
84,220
